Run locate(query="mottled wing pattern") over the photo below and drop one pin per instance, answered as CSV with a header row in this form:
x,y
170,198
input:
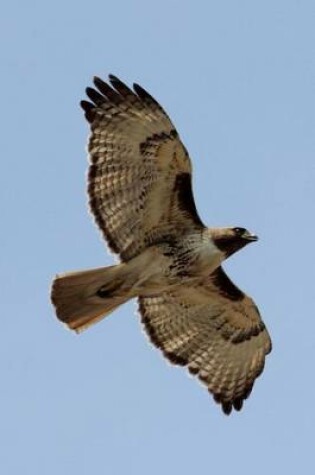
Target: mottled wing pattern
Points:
x,y
215,330
140,174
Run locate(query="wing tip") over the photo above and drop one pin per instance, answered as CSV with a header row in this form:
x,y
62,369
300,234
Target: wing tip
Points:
x,y
113,78
227,405
144,95
115,92
89,110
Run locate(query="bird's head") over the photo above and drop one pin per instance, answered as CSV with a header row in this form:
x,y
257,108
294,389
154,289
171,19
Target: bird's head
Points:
x,y
230,240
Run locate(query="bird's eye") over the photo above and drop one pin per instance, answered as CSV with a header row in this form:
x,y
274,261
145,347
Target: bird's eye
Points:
x,y
239,231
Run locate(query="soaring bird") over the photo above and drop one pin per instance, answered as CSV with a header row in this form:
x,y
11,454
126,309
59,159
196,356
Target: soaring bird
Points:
x,y
140,193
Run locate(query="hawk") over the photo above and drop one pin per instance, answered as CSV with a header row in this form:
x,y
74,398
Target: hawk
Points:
x,y
140,193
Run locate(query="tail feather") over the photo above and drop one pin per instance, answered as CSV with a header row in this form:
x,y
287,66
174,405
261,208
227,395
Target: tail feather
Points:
x,y
85,297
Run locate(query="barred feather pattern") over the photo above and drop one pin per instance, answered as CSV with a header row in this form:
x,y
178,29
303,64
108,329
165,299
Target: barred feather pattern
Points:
x,y
139,180
222,341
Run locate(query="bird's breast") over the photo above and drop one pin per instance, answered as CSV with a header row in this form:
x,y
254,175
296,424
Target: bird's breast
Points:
x,y
208,257
196,255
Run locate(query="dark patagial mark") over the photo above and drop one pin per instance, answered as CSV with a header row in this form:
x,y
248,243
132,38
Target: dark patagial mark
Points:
x,y
185,198
225,286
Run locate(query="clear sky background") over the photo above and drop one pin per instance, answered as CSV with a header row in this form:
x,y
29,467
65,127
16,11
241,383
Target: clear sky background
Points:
x,y
238,80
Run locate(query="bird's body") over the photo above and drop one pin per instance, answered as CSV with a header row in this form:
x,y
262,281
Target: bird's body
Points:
x,y
141,196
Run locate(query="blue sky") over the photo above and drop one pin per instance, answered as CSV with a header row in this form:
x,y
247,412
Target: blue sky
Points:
x,y
238,79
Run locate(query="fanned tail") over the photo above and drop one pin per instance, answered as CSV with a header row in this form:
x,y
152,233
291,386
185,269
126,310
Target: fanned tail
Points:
x,y
85,297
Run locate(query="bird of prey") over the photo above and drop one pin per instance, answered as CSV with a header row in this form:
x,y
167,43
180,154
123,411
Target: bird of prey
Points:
x,y
140,193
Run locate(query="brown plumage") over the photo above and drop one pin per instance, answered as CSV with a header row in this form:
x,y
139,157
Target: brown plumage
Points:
x,y
140,193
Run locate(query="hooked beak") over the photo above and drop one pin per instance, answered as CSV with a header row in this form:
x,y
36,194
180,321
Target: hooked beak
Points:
x,y
250,237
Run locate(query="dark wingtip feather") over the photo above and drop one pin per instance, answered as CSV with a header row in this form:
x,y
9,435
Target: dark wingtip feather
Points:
x,y
145,96
238,404
95,96
89,110
86,106
228,405
248,391
227,408
97,80
120,86
142,93
101,85
113,78
106,90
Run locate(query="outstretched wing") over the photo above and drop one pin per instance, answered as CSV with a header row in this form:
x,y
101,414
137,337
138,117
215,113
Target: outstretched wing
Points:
x,y
216,330
140,175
